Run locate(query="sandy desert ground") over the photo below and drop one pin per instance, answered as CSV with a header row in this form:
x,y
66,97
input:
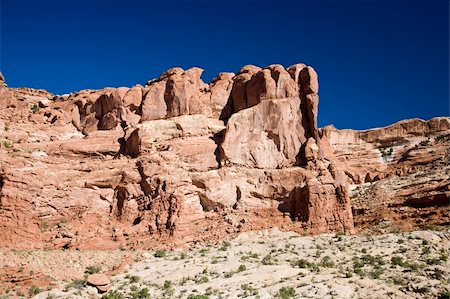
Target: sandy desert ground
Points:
x,y
266,264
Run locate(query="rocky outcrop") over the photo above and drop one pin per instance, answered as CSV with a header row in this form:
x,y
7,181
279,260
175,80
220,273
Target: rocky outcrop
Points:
x,y
183,161
268,135
100,281
6,97
105,109
281,115
413,188
369,154
176,92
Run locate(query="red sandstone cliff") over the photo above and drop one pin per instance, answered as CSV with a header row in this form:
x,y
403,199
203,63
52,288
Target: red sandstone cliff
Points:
x,y
179,160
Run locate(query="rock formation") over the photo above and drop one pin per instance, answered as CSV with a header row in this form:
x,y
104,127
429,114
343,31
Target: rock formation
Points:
x,y
179,160
400,173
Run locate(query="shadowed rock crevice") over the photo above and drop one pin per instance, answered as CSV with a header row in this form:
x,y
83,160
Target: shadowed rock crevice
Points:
x,y
438,200
162,205
121,195
218,139
1,187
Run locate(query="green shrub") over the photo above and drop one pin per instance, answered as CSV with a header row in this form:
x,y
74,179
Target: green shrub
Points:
x,y
113,295
134,278
376,273
7,144
301,263
168,288
225,246
399,280
242,268
397,261
33,290
141,294
76,284
359,271
249,290
268,260
35,108
285,293
194,296
327,262
93,269
202,279
167,284
437,274
160,253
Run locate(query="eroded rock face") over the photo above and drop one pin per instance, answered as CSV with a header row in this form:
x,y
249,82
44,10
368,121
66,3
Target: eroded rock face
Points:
x,y
364,155
268,135
6,97
105,109
179,161
275,113
182,92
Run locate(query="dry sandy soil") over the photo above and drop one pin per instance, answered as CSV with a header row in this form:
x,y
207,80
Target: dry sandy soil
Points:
x,y
266,264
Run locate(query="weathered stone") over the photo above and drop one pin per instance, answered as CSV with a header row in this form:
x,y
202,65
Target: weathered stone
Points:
x,y
220,93
100,281
268,135
122,163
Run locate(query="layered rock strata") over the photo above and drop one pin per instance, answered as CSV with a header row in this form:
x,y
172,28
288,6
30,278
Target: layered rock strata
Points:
x,y
179,160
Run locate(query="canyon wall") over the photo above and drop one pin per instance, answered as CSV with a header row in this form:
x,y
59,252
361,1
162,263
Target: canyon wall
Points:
x,y
179,160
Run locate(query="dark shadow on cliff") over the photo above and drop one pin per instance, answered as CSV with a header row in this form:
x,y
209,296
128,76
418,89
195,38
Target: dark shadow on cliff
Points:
x,y
218,139
296,204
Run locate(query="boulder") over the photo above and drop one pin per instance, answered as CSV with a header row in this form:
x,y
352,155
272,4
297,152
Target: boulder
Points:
x,y
100,281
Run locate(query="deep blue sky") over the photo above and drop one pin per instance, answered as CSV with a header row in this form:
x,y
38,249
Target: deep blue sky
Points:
x,y
378,61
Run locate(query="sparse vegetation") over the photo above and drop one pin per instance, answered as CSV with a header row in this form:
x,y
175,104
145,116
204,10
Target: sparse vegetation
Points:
x,y
77,284
225,246
196,296
392,268
303,264
168,288
386,153
93,269
140,294
35,108
160,253
33,290
201,279
397,261
248,290
7,144
285,293
268,260
113,295
133,278
327,262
